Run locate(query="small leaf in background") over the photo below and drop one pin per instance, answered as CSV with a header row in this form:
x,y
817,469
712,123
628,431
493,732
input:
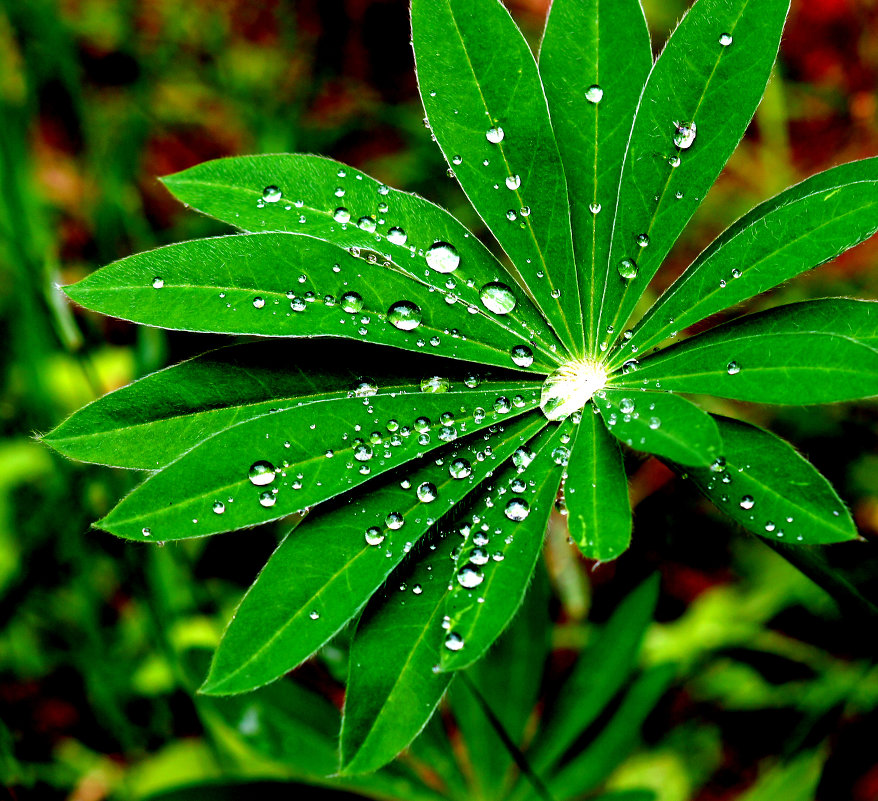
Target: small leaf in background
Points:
x,y
763,484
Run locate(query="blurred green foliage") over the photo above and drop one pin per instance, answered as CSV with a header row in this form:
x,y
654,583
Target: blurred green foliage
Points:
x,y
776,694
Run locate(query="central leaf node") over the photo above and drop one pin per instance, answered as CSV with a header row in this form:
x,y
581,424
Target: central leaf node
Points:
x,y
570,387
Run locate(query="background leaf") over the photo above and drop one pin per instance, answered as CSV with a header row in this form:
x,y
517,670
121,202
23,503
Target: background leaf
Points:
x,y
316,193
486,107
766,486
596,491
802,227
291,285
712,73
594,60
819,351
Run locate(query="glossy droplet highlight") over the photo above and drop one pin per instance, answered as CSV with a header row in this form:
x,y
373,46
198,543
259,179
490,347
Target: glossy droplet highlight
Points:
x,y
684,134
405,315
261,473
497,298
394,521
435,383
442,257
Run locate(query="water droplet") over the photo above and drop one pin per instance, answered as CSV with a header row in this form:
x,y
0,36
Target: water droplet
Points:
x,y
626,405
397,236
747,502
472,381
736,273
404,315
732,368
157,282
365,389
522,355
351,302
630,366
459,468
684,134
341,215
219,507
453,641
654,423
147,532
267,498
422,424
502,405
594,94
643,240
362,451
594,208
314,614
374,536
366,224
497,298
560,455
513,181
511,215
522,457
258,303
469,577
426,492
516,509
674,161
627,269
442,257
725,39
435,383
494,135
770,526
394,521
271,194
417,589
261,473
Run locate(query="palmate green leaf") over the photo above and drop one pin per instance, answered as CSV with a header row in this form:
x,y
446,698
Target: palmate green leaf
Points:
x,y
325,570
600,672
596,492
661,423
519,656
151,422
486,107
802,227
762,483
498,555
297,286
712,74
594,60
314,195
819,351
392,688
286,461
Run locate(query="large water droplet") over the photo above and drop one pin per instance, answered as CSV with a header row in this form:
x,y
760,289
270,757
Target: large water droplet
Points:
x,y
219,507
594,94
469,577
513,181
351,302
435,383
374,536
362,451
747,502
459,468
453,641
725,39
494,135
627,269
732,368
341,215
365,389
594,208
394,521
516,509
497,298
366,224
426,492
522,355
158,282
442,257
522,457
261,473
684,134
404,315
271,194
397,236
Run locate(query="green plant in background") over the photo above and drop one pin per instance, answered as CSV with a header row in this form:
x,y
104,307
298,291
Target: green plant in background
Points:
x,y
586,167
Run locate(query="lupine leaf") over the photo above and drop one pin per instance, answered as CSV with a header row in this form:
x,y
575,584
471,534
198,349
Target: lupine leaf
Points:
x,y
596,492
285,461
802,227
325,570
660,423
594,60
485,103
291,285
819,351
392,688
697,79
316,192
497,559
762,483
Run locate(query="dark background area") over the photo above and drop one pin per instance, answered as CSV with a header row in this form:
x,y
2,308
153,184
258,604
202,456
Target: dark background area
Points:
x,y
97,99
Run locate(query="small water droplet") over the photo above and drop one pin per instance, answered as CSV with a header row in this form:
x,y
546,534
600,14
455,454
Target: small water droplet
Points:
x,y
684,134
627,269
725,39
674,161
258,303
736,273
594,208
147,532
362,451
435,383
366,224
497,298
219,507
594,94
267,498
453,641
442,257
732,368
374,536
511,215
397,236
261,473
314,614
365,389
351,302
626,406
394,521
157,282
522,356
643,240
494,135
513,181
747,502
404,315
654,423
271,194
